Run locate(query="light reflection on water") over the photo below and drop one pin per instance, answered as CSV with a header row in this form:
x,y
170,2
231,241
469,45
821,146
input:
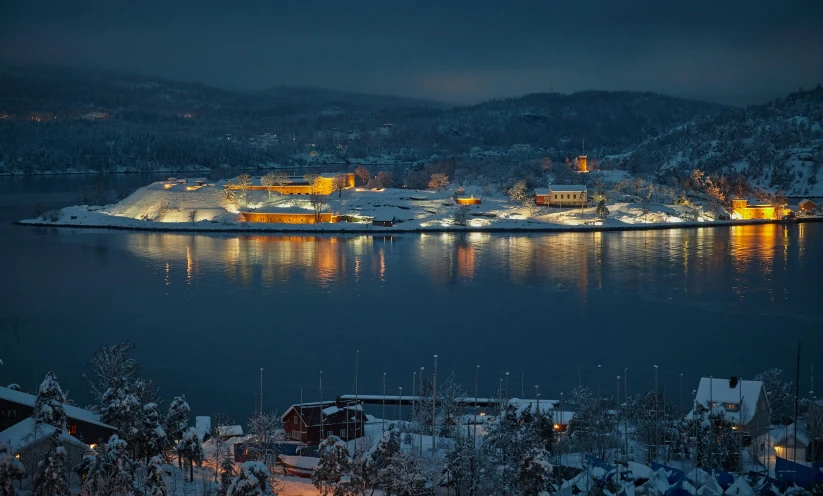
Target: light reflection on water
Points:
x,y
207,311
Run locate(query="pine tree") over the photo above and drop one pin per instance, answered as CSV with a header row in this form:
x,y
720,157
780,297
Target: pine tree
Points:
x,y
335,464
535,472
112,472
191,449
177,420
52,476
226,475
253,480
121,408
153,438
155,484
48,407
10,470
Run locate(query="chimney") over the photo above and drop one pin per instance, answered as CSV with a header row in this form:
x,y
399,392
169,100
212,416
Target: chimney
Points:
x,y
733,382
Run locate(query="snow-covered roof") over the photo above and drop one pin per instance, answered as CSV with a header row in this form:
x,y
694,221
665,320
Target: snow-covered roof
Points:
x,y
72,412
230,430
806,201
564,188
203,426
26,432
714,390
330,410
788,433
541,191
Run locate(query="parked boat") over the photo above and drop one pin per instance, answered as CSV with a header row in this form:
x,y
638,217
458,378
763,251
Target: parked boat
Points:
x,y
300,466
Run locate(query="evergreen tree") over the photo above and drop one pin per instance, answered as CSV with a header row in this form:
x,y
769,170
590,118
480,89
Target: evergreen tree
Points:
x,y
155,484
10,470
153,438
535,472
177,420
48,407
121,408
112,472
226,475
52,476
191,449
253,480
335,464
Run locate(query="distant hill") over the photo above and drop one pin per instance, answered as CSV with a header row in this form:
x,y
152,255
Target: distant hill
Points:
x,y
56,119
775,147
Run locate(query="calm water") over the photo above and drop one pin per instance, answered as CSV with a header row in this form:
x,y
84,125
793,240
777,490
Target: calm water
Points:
x,y
206,312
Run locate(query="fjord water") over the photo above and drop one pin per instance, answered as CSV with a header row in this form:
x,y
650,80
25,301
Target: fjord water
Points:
x,y
207,311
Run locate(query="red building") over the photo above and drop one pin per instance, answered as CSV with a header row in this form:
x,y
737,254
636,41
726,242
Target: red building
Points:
x,y
310,423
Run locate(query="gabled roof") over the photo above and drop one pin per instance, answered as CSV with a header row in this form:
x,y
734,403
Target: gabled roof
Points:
x,y
788,433
310,413
805,201
72,412
567,188
26,432
718,391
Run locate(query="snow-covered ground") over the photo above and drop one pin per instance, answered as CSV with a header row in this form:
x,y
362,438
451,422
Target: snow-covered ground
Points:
x,y
180,207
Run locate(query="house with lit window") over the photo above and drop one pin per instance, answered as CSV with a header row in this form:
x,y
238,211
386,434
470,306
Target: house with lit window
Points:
x,y
16,406
310,423
562,195
744,403
29,440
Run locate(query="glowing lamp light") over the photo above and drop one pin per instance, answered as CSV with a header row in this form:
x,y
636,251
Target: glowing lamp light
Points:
x,y
93,446
482,414
556,426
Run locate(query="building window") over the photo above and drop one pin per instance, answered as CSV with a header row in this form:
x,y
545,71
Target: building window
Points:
x,y
72,429
342,432
2,414
295,419
11,413
329,433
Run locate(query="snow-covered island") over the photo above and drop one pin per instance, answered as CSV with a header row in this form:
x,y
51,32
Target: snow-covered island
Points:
x,y
332,203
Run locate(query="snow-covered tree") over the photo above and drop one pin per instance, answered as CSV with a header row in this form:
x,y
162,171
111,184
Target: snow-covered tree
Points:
x,y
268,182
226,475
155,484
779,392
602,211
408,474
511,436
153,440
263,429
335,464
519,192
363,174
112,472
48,407
177,419
461,215
591,429
535,472
252,480
52,474
190,448
121,408
448,410
468,467
10,470
111,366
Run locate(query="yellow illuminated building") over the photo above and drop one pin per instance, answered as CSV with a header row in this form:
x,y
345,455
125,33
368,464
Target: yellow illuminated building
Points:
x,y
743,208
323,185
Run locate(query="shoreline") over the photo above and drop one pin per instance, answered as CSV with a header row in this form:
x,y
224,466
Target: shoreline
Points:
x,y
241,228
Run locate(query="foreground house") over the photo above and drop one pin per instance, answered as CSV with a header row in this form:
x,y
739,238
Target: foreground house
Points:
x,y
793,446
29,441
744,403
562,195
310,423
82,424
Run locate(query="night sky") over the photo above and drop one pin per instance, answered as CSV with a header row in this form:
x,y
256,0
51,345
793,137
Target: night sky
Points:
x,y
730,51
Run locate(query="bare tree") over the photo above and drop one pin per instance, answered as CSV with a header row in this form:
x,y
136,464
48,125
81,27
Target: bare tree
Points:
x,y
193,216
519,192
438,181
281,178
229,193
244,181
318,203
312,178
363,174
111,366
385,179
339,183
268,181
263,430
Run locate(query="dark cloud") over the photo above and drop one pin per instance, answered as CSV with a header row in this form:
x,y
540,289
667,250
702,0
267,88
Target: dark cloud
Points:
x,y
458,50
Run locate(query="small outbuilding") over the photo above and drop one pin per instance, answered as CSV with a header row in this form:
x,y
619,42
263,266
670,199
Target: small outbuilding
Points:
x,y
807,206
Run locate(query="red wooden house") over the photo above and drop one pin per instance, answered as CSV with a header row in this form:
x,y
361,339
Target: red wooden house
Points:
x,y
310,423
